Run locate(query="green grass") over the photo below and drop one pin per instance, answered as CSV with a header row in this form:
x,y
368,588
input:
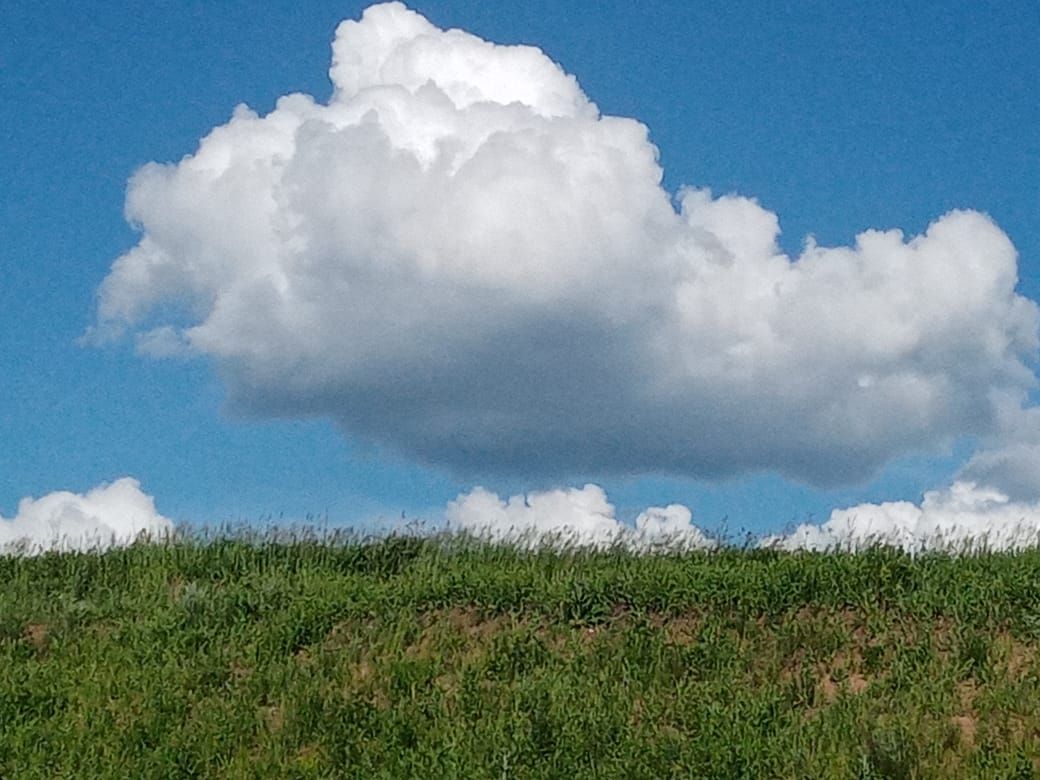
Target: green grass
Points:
x,y
441,659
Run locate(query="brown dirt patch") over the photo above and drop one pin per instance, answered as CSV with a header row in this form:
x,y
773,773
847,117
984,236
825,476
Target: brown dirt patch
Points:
x,y
827,690
340,635
471,621
273,717
966,692
474,626
36,634
240,672
1021,657
363,673
683,629
830,689
857,683
966,728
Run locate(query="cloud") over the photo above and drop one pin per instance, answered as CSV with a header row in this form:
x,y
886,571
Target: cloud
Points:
x,y
963,517
993,502
110,515
1009,460
459,257
573,517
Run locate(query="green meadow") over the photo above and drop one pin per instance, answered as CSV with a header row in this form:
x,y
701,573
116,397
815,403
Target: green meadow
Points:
x,y
277,657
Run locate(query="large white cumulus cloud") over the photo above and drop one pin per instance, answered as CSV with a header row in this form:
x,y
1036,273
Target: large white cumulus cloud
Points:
x,y
573,517
112,514
459,257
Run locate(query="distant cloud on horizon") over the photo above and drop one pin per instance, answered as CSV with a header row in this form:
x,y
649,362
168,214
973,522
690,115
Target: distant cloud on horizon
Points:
x,y
963,518
110,515
573,517
460,258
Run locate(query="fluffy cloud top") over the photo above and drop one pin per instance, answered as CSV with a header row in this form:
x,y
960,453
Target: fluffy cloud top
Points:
x,y
459,257
573,517
113,514
961,518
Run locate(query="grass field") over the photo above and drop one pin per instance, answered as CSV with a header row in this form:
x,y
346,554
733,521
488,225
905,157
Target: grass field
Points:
x,y
445,658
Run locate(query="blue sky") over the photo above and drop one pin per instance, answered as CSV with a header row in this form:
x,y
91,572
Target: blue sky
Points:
x,y
837,118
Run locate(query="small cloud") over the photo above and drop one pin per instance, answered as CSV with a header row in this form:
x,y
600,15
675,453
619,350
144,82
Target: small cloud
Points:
x,y
110,515
573,517
963,517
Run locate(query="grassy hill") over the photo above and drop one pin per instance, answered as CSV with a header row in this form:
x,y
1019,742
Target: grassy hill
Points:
x,y
445,658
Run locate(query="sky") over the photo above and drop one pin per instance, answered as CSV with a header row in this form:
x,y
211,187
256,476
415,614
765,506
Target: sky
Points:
x,y
626,257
